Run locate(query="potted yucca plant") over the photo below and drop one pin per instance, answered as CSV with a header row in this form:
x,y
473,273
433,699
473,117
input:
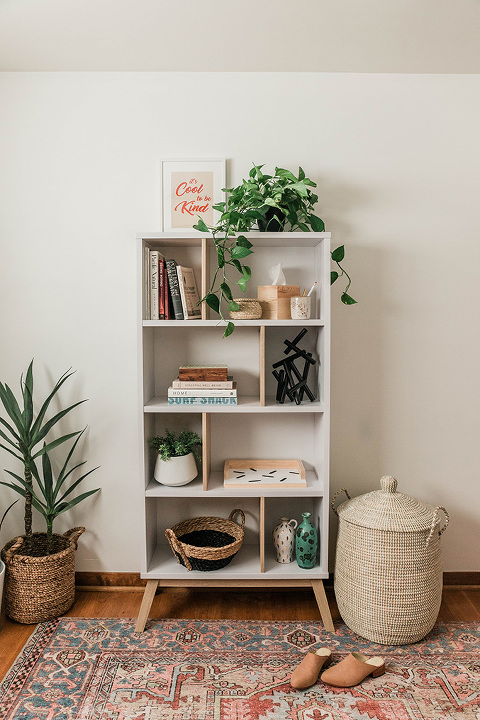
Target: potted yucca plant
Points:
x,y
40,566
176,452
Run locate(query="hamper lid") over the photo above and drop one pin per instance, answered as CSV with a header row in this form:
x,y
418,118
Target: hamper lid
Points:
x,y
387,509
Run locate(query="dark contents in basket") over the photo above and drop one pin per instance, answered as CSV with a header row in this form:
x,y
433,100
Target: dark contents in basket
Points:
x,y
207,538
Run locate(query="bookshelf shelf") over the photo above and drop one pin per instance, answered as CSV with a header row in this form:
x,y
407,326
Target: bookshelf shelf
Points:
x,y
256,427
247,404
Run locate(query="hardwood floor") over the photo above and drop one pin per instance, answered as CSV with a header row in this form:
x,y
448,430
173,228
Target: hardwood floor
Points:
x,y
459,603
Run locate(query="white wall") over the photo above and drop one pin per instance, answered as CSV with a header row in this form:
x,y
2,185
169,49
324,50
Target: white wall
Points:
x,y
396,158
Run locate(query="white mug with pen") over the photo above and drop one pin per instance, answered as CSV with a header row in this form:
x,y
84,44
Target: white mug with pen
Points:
x,y
301,306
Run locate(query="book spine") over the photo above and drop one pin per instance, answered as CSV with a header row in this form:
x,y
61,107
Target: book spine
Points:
x,y
146,283
167,301
175,392
174,289
202,401
203,385
154,285
203,374
161,289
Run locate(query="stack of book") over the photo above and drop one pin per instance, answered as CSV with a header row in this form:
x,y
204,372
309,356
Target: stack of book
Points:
x,y
203,385
170,290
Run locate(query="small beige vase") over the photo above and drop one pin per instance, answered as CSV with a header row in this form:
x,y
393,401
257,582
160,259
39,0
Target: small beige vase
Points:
x,y
284,540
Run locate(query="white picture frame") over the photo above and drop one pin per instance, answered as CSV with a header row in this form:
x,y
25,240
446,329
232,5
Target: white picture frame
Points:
x,y
189,190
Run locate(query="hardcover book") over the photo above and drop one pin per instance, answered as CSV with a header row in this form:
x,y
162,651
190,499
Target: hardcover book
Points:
x,y
202,401
154,285
174,289
203,372
204,384
201,392
189,293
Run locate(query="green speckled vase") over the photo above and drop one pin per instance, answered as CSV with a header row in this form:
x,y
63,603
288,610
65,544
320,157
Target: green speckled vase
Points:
x,y
306,543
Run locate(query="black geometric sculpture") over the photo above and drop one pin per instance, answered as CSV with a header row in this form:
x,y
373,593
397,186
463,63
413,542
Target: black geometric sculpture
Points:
x,y
292,382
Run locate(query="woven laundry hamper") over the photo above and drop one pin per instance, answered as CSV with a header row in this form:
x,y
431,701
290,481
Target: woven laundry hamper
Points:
x,y
388,569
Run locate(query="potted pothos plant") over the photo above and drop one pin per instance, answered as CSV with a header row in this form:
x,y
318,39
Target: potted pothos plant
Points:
x,y
271,203
176,453
40,566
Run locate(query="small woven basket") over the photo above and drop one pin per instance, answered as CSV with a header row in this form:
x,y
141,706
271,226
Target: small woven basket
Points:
x,y
249,309
388,566
40,587
206,543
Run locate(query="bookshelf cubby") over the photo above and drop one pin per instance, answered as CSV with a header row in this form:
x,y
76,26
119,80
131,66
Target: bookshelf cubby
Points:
x,y
257,427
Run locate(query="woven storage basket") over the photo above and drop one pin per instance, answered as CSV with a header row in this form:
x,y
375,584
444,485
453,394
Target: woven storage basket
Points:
x,y
249,309
206,543
388,569
40,587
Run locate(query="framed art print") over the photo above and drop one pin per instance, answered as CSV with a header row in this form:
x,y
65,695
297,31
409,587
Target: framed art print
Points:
x,y
190,189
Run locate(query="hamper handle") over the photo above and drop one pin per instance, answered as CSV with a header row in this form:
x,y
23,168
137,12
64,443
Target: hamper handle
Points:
x,y
435,520
335,497
11,551
177,548
74,534
242,515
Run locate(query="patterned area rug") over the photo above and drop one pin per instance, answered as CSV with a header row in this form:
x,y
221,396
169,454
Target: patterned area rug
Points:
x,y
100,669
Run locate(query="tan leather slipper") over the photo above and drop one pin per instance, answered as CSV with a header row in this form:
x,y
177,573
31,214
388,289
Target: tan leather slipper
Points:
x,y
353,669
306,674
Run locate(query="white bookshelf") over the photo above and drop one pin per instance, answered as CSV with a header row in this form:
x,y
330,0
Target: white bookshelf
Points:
x,y
258,427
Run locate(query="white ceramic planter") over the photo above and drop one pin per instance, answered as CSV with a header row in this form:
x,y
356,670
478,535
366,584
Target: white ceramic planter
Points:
x,y
176,470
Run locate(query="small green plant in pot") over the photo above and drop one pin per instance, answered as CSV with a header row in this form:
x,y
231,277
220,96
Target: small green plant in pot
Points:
x,y
269,203
176,452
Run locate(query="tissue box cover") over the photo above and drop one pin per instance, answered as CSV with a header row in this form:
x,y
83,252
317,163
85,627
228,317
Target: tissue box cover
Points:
x,y
275,300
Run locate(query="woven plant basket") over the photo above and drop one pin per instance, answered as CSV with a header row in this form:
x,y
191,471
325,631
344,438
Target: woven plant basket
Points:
x,y
388,565
206,543
40,587
249,309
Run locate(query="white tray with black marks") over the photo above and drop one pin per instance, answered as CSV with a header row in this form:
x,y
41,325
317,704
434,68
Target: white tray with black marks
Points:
x,y
257,474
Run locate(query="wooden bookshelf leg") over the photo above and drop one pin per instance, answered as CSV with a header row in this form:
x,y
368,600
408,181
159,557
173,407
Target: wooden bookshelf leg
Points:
x,y
147,601
323,606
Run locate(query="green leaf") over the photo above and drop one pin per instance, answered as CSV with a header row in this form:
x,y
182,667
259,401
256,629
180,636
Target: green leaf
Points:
x,y
317,224
247,273
304,227
27,390
285,174
300,188
243,242
242,284
11,406
234,306
77,482
237,264
200,226
229,329
55,443
338,254
220,257
226,291
333,276
301,174
347,300
19,457
240,252
213,301
35,439
38,422
61,508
